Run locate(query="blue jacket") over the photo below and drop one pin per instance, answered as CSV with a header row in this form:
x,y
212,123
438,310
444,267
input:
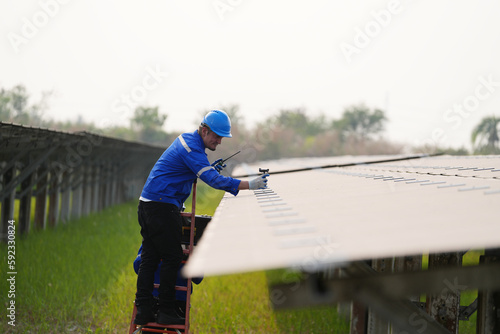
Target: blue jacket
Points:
x,y
172,177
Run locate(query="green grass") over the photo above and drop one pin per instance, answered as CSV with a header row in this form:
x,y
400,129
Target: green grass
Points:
x,y
78,278
240,303
467,297
65,274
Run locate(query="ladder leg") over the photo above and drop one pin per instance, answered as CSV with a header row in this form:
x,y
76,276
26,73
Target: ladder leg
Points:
x,y
191,245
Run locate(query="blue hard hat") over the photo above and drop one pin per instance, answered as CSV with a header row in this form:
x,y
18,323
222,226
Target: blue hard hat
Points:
x,y
218,121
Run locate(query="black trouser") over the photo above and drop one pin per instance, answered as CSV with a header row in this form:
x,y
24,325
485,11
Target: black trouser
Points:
x,y
161,230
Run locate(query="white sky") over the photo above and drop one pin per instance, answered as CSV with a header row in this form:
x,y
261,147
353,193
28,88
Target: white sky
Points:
x,y
433,66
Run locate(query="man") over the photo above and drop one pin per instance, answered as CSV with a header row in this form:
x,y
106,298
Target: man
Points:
x,y
167,187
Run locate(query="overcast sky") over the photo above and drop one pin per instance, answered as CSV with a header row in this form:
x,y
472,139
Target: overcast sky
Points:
x,y
432,66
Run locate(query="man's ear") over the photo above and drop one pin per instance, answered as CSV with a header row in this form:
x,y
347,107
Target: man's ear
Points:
x,y
204,130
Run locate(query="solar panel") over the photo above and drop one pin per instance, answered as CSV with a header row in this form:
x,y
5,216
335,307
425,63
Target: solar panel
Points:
x,y
329,216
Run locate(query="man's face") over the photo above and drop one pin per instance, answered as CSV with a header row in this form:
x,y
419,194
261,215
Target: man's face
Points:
x,y
210,139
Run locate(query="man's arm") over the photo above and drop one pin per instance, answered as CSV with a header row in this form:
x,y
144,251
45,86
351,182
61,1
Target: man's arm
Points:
x,y
243,185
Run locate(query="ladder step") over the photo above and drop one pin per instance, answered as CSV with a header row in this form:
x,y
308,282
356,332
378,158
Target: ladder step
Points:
x,y
177,287
161,328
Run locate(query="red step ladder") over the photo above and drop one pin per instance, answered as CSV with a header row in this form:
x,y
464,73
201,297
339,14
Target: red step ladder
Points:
x,y
154,327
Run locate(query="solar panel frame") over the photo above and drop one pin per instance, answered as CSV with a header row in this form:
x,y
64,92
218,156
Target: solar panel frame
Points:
x,y
327,217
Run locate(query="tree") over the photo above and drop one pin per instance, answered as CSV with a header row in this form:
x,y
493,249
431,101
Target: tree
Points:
x,y
290,133
298,121
14,106
359,122
237,121
232,110
148,122
485,135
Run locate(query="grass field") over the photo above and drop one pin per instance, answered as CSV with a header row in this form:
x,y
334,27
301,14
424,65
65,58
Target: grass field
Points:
x,y
78,278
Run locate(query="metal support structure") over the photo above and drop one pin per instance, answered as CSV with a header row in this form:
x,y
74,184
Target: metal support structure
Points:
x,y
376,324
65,197
343,309
77,192
7,203
12,185
444,307
109,184
359,318
114,185
54,195
408,264
41,199
103,187
488,314
87,190
395,309
25,204
403,314
17,157
36,163
96,170
387,293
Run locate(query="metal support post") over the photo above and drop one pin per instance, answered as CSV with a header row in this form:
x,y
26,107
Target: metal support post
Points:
x,y
7,204
25,204
445,306
54,195
65,196
77,184
95,183
359,318
41,199
409,264
87,189
488,313
377,325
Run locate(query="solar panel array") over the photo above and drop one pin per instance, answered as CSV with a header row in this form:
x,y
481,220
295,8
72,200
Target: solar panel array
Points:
x,y
69,174
330,216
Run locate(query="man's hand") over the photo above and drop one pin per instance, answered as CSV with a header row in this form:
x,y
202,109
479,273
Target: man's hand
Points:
x,y
260,182
218,165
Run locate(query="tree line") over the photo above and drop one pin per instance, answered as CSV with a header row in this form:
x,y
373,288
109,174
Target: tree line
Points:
x,y
287,133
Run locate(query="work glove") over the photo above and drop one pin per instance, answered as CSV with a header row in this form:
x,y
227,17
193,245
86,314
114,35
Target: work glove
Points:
x,y
260,182
218,165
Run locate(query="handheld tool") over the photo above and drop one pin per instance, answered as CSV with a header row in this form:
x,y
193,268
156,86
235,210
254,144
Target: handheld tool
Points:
x,y
219,164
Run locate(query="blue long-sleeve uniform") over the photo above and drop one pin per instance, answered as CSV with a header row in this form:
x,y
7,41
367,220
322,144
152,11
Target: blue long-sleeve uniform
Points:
x,y
172,177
